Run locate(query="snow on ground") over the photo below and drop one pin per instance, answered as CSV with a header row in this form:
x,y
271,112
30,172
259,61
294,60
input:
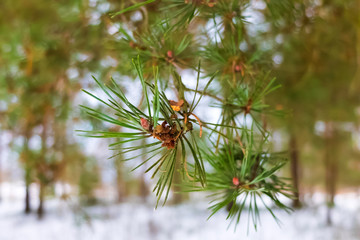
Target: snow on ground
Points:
x,y
130,221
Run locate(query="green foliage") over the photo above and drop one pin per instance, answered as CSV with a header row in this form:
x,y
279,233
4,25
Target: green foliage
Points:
x,y
242,176
166,44
48,48
317,70
135,6
171,133
42,43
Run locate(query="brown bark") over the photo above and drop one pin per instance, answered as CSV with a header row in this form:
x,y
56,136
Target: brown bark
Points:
x,y
120,184
143,188
354,86
330,168
295,170
42,166
40,210
27,176
27,199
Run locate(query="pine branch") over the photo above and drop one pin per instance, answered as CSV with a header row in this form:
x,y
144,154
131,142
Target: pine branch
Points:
x,y
169,133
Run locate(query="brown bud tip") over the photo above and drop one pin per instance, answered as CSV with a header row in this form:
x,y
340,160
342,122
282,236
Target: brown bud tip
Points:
x,y
132,44
176,106
145,124
247,109
170,54
158,129
235,181
211,3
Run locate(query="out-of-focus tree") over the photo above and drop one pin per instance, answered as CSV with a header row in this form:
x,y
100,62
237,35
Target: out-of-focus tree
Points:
x,y
316,64
48,47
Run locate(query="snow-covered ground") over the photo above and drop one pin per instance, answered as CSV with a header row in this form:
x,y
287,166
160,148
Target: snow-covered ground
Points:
x,y
187,221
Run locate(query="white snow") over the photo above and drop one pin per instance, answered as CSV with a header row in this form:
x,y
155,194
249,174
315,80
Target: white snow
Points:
x,y
136,220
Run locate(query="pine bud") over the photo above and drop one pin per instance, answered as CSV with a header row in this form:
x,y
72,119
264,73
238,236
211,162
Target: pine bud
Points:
x,y
239,68
170,54
159,129
176,106
189,126
235,181
145,124
211,3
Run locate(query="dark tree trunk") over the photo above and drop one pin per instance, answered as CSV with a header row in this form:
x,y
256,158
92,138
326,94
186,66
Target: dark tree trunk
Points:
x,y
40,210
295,170
27,199
42,166
330,168
120,185
27,173
143,188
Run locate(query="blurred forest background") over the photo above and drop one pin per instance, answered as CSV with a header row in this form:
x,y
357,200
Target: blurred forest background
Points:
x,y
50,49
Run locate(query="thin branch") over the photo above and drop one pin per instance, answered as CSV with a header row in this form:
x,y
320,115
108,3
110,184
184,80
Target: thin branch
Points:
x,y
205,93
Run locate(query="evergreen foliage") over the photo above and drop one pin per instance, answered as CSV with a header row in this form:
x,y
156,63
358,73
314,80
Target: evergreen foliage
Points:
x,y
229,158
287,67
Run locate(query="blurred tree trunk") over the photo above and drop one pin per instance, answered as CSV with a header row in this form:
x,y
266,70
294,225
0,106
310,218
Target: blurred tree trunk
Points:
x,y
29,65
40,210
27,173
144,190
295,169
120,184
356,82
27,199
42,165
118,164
330,168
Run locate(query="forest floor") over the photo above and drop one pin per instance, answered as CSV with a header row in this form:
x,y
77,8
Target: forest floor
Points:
x,y
138,221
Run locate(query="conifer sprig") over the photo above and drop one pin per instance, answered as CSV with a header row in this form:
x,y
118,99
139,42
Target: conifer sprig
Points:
x,y
240,177
176,120
242,169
